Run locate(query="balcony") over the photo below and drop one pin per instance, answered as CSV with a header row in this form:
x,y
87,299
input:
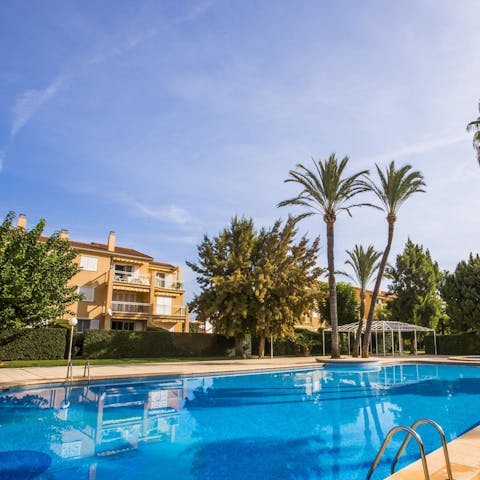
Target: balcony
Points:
x,y
130,307
170,311
131,279
161,283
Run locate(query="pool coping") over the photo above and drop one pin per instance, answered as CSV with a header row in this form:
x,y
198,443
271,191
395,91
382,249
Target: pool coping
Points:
x,y
31,376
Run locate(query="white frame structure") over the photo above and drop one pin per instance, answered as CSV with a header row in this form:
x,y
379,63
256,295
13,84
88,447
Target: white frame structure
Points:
x,y
384,328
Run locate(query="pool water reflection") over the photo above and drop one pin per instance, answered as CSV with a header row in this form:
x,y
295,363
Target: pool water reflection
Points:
x,y
304,424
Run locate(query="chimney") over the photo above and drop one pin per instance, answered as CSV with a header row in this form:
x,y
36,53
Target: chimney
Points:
x,y
64,234
22,221
111,242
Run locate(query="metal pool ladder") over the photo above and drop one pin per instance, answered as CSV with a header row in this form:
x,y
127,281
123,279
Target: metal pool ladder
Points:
x,y
86,370
411,432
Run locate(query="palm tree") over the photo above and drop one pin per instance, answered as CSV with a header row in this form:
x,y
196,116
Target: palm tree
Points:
x,y
474,126
364,264
326,191
394,188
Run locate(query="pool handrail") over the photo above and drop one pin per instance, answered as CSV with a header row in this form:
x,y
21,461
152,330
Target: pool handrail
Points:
x,y
414,427
411,433
86,370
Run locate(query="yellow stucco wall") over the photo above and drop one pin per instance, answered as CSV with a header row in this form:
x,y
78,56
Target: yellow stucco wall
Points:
x,y
107,289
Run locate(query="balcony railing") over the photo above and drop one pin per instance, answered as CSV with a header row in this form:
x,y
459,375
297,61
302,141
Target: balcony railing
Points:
x,y
161,283
170,311
129,278
130,307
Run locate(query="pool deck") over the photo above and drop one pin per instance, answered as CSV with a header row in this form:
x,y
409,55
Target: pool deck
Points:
x,y
12,377
464,451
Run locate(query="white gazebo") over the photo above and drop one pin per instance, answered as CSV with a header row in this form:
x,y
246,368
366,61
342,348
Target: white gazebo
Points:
x,y
384,328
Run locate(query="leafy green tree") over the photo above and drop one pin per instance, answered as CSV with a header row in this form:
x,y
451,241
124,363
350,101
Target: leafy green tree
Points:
x,y
225,278
415,287
395,186
304,340
474,126
364,264
327,191
34,275
461,292
285,279
255,282
347,304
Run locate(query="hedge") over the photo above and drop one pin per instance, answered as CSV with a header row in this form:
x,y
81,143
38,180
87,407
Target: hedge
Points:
x,y
305,343
112,344
459,344
33,344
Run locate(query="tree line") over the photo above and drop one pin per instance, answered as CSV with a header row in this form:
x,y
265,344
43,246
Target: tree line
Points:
x,y
242,291
264,281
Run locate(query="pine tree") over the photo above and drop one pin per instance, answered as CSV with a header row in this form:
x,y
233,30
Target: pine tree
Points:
x,y
415,283
255,282
461,292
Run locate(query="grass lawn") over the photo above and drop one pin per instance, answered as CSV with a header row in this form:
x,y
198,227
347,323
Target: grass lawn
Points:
x,y
106,361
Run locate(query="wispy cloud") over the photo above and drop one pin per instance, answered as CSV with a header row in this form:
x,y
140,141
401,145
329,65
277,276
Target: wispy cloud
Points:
x,y
119,50
419,148
198,9
2,158
170,213
30,102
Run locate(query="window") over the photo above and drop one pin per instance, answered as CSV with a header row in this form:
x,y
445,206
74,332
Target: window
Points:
x,y
164,280
87,292
83,325
160,279
164,306
88,263
117,325
123,269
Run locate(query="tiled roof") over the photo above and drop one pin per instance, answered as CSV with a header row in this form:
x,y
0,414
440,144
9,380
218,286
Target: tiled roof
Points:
x,y
161,264
118,250
103,247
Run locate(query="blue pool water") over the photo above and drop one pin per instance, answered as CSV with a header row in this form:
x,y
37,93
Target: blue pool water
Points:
x,y
304,424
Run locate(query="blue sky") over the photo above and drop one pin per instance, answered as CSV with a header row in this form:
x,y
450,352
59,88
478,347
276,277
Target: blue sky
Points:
x,y
163,119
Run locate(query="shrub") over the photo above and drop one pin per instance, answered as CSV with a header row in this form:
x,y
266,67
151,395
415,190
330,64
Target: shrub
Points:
x,y
33,344
112,344
461,344
305,342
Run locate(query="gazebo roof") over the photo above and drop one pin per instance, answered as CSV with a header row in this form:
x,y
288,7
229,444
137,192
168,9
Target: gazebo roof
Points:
x,y
378,326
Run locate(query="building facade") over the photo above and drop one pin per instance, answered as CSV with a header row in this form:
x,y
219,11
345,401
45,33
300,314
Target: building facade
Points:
x,y
313,320
124,289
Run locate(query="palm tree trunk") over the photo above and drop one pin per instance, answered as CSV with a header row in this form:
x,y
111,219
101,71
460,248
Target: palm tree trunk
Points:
x,y
381,268
261,347
358,333
332,287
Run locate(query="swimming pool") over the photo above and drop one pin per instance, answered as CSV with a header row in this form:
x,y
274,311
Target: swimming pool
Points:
x,y
303,424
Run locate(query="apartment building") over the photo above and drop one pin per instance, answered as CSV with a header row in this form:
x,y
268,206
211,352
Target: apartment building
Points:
x,y
313,321
124,289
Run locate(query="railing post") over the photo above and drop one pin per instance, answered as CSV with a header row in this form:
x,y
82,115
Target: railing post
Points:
x,y
389,436
414,427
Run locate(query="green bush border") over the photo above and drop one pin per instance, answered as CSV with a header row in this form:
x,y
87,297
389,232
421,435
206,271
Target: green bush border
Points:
x,y
112,344
458,344
33,344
